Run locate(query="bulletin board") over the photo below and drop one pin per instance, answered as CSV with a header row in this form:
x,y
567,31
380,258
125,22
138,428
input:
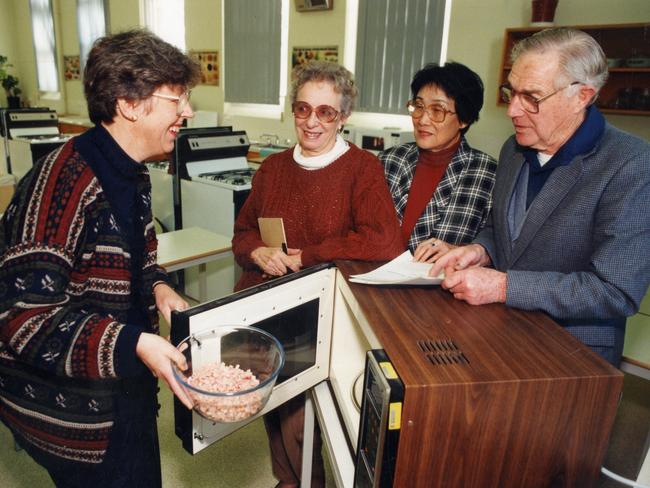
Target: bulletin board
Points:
x,y
302,55
72,68
209,62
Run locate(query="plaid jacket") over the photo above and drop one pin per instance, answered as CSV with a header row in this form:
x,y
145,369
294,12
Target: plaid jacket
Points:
x,y
462,201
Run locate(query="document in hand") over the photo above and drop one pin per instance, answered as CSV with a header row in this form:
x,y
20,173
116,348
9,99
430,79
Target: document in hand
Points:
x,y
400,271
272,232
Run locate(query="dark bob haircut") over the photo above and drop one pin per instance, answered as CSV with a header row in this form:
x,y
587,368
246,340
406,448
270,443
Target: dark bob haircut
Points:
x,y
459,83
132,65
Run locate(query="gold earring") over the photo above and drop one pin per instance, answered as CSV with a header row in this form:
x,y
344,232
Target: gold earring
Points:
x,y
134,118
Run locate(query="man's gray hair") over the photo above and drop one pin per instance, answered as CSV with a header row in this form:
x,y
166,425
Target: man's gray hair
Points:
x,y
580,57
340,78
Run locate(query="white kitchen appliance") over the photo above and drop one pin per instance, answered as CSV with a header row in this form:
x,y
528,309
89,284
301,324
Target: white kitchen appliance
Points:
x,y
297,309
162,194
377,140
29,135
211,184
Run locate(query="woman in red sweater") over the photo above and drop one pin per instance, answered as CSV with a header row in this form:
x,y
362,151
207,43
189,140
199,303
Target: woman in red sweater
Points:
x,y
335,204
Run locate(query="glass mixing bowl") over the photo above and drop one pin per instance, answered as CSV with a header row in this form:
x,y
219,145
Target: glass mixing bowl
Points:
x,y
231,371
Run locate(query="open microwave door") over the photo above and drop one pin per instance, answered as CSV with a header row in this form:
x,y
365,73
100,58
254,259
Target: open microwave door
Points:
x,y
297,309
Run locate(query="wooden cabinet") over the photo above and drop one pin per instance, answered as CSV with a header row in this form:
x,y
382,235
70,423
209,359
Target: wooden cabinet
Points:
x,y
67,128
627,47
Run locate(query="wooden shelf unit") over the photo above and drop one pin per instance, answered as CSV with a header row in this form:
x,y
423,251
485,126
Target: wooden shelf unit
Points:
x,y
627,90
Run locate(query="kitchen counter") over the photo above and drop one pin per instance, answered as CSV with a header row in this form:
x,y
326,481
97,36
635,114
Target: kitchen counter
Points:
x,y
74,124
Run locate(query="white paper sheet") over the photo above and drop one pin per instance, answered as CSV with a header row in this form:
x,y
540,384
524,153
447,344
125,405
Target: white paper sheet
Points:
x,y
400,271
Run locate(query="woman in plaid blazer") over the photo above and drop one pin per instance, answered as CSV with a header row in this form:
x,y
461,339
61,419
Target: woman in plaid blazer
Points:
x,y
441,187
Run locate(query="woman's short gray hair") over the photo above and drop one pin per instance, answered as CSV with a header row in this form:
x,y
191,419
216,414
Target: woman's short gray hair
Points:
x,y
580,57
340,78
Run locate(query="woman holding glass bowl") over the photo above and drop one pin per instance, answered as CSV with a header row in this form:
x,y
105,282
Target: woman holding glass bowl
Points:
x,y
441,187
334,202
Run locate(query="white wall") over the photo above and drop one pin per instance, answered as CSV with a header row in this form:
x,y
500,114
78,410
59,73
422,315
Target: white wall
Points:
x,y
7,41
476,39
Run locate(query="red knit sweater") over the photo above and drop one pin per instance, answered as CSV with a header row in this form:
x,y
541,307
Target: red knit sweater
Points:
x,y
341,211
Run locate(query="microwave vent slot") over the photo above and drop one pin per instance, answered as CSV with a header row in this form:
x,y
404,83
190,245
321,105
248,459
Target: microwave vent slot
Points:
x,y
442,352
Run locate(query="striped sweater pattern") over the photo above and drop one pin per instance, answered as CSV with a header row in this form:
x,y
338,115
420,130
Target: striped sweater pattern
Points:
x,y
65,292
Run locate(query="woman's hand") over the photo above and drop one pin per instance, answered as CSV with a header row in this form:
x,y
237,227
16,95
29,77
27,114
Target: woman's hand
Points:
x,y
157,354
273,262
167,300
431,250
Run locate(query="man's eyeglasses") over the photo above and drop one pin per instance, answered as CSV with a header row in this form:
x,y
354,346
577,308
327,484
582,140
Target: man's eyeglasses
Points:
x,y
182,101
528,102
324,113
437,113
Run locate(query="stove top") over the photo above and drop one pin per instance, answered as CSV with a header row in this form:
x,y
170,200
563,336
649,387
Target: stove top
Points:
x,y
160,165
236,179
44,138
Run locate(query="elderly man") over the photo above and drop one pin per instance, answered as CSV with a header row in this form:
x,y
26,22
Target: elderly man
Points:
x,y
569,232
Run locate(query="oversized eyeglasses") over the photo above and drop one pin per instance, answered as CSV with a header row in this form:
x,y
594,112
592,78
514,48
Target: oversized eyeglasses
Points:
x,y
437,113
324,113
528,102
182,101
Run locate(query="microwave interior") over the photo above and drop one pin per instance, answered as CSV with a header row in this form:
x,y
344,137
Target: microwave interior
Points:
x,y
296,309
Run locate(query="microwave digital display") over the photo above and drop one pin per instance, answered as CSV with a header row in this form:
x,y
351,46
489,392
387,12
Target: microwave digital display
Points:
x,y
372,143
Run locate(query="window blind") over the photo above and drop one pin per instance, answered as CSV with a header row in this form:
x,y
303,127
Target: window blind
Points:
x,y
44,45
91,24
252,30
395,38
166,19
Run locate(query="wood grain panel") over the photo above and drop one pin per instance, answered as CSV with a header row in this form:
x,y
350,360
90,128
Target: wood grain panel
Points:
x,y
532,407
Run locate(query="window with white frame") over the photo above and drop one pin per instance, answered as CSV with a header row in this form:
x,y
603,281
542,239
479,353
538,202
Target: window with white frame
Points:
x,y
166,19
394,39
91,25
255,56
44,45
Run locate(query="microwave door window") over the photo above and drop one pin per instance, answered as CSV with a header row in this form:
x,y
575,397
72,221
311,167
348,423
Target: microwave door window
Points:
x,y
296,331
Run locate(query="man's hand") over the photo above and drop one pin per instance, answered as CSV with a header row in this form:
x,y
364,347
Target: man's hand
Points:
x,y
273,262
462,257
167,300
157,354
431,250
477,286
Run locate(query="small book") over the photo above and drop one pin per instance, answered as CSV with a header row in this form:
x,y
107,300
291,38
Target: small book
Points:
x,y
272,232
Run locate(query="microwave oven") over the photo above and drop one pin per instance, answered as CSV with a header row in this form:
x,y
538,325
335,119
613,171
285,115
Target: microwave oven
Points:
x,y
377,140
297,309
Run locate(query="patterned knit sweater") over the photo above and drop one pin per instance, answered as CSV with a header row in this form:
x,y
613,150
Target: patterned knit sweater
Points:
x,y
341,211
65,294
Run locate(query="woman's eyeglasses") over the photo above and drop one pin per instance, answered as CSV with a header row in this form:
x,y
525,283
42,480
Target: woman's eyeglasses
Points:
x,y
324,113
182,101
437,113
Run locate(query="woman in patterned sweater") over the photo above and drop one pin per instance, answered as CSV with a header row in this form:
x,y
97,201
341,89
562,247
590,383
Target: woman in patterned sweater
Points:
x,y
334,203
441,187
80,287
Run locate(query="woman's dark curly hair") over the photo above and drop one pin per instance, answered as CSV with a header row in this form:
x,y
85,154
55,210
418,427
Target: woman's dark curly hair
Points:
x,y
459,83
132,65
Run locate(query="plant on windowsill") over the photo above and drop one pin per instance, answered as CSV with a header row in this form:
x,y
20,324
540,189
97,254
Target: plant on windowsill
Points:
x,y
10,84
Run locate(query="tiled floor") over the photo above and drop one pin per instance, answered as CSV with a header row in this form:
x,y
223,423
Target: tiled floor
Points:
x,y
242,459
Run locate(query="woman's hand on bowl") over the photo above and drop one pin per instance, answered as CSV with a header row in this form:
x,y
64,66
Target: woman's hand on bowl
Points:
x,y
273,262
157,354
432,249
